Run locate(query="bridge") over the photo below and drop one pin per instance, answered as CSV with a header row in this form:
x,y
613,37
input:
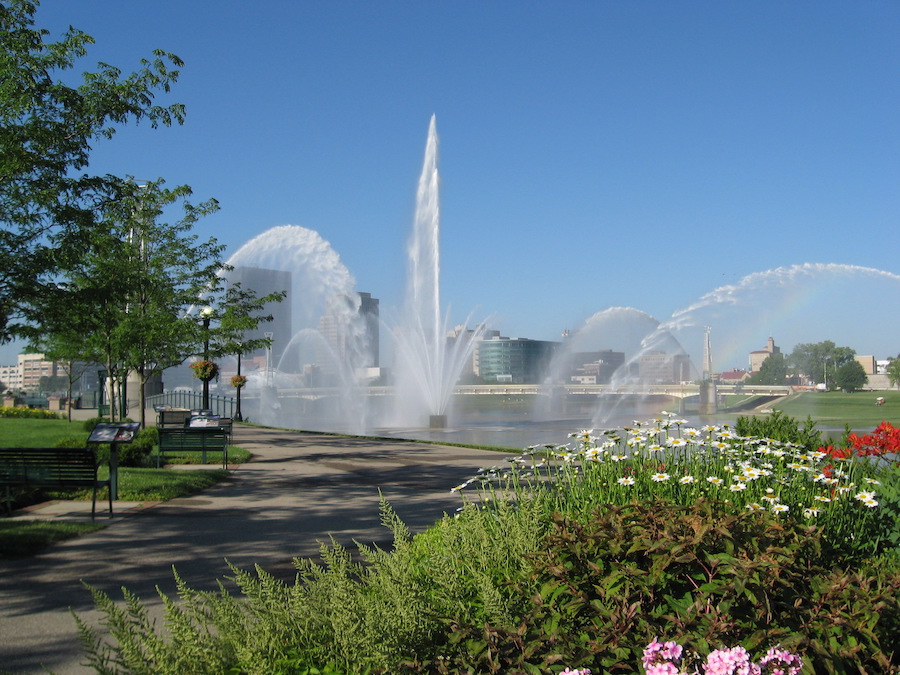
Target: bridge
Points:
x,y
680,391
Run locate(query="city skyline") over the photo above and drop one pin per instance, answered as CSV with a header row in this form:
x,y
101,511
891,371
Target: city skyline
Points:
x,y
593,156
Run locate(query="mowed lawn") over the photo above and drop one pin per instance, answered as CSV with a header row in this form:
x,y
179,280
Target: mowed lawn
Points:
x,y
27,433
837,409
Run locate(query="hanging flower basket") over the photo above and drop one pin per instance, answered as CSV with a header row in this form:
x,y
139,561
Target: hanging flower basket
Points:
x,y
238,381
205,370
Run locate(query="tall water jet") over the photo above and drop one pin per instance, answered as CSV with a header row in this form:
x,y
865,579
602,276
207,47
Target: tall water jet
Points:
x,y
428,364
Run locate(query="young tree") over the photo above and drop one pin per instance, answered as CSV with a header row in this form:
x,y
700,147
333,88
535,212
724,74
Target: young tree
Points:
x,y
170,269
239,313
122,294
47,130
850,376
893,372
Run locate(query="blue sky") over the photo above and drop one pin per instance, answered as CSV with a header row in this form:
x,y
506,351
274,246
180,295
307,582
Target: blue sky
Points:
x,y
593,154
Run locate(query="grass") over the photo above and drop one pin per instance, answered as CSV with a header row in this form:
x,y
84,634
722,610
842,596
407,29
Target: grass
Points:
x,y
236,455
29,433
21,538
835,409
151,485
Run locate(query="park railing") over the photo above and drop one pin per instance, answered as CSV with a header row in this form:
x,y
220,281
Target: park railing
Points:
x,y
223,406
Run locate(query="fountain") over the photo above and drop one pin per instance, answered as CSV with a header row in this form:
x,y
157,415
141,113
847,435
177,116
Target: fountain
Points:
x,y
314,382
428,364
799,303
321,294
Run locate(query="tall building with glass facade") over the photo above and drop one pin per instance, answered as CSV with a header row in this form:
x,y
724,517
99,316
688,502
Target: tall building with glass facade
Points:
x,y
515,360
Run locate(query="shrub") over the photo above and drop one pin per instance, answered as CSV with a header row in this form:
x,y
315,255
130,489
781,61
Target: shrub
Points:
x,y
781,427
667,459
89,424
569,557
138,451
354,617
29,413
696,574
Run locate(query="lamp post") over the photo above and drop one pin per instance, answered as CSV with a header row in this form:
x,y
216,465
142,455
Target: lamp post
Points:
x,y
269,335
238,415
825,369
206,315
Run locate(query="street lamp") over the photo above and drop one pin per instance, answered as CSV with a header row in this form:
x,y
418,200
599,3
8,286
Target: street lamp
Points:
x,y
269,335
825,369
206,315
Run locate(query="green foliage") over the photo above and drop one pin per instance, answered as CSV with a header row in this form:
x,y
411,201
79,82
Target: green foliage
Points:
x,y
815,361
772,371
781,427
238,315
18,412
354,616
48,126
569,557
137,453
696,574
850,376
893,372
89,424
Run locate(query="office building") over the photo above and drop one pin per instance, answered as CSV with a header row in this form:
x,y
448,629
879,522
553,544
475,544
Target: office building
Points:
x,y
515,360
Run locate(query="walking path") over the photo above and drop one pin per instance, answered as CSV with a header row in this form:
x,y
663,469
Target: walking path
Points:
x,y
298,490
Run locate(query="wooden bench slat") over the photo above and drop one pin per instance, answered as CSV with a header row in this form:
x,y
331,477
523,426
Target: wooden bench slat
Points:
x,y
51,467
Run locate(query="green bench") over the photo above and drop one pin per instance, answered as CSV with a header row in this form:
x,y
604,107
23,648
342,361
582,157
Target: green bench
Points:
x,y
203,439
60,468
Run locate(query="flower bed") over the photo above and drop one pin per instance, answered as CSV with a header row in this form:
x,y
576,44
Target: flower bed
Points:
x,y
573,558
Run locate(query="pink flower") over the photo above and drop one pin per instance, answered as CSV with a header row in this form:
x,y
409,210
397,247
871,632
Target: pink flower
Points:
x,y
780,662
734,661
658,651
664,668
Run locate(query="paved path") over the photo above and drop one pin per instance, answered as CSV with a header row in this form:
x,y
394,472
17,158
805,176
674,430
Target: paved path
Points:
x,y
298,489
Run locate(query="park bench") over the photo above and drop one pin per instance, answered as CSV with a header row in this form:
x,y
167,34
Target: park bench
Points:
x,y
179,440
179,418
207,421
172,418
51,468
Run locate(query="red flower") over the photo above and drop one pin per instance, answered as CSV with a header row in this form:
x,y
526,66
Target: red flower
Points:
x,y
836,453
884,440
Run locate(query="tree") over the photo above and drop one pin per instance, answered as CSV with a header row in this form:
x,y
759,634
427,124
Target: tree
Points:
x,y
893,371
53,383
772,371
170,270
122,298
47,131
239,313
850,376
812,360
